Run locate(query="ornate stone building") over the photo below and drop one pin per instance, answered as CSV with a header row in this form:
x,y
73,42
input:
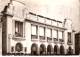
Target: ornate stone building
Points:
x,y
25,32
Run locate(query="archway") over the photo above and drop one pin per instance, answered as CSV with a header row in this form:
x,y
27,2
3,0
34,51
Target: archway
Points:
x,y
70,50
42,49
55,49
34,48
49,48
62,50
19,47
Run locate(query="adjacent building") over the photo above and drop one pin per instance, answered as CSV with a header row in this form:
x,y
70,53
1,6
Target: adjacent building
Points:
x,y
25,32
77,43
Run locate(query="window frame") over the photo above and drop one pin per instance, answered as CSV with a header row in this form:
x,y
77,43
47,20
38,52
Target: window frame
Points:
x,y
49,38
61,39
19,28
40,36
69,34
34,36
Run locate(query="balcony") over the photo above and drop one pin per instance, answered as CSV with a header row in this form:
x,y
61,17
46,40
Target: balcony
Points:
x,y
49,39
41,37
34,37
55,40
61,40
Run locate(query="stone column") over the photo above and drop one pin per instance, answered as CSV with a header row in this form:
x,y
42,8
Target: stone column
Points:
x,y
0,36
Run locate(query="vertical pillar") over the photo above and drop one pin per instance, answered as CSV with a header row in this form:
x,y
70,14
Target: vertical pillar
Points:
x,y
38,37
0,38
65,42
0,34
73,42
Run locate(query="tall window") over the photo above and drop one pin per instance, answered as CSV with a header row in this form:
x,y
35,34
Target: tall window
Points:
x,y
60,34
34,31
54,33
18,29
49,34
69,38
42,33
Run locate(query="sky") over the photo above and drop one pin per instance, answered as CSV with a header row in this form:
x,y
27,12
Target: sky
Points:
x,y
55,9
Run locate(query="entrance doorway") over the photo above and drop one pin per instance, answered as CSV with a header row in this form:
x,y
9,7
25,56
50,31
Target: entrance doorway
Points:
x,y
42,49
34,49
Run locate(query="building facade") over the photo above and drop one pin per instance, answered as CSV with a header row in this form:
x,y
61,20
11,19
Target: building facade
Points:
x,y
25,32
77,42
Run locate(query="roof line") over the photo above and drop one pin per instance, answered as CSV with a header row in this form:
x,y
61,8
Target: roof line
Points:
x,y
19,2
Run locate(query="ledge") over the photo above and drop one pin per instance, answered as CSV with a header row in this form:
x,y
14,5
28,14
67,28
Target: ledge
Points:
x,y
18,38
45,24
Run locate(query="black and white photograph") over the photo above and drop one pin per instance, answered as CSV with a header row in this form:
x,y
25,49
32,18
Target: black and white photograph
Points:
x,y
39,27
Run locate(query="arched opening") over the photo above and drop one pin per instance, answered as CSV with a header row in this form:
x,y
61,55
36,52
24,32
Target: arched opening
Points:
x,y
70,51
42,49
34,48
55,49
62,50
49,48
18,47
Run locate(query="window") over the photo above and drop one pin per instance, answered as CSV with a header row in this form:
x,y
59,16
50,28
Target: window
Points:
x,y
41,31
18,29
34,30
54,33
60,36
69,38
48,34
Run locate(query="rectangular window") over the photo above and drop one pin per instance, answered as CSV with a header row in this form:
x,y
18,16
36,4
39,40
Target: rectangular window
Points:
x,y
69,38
60,34
54,33
34,30
42,33
48,32
18,29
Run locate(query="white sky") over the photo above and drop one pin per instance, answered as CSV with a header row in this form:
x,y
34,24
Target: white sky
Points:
x,y
56,9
